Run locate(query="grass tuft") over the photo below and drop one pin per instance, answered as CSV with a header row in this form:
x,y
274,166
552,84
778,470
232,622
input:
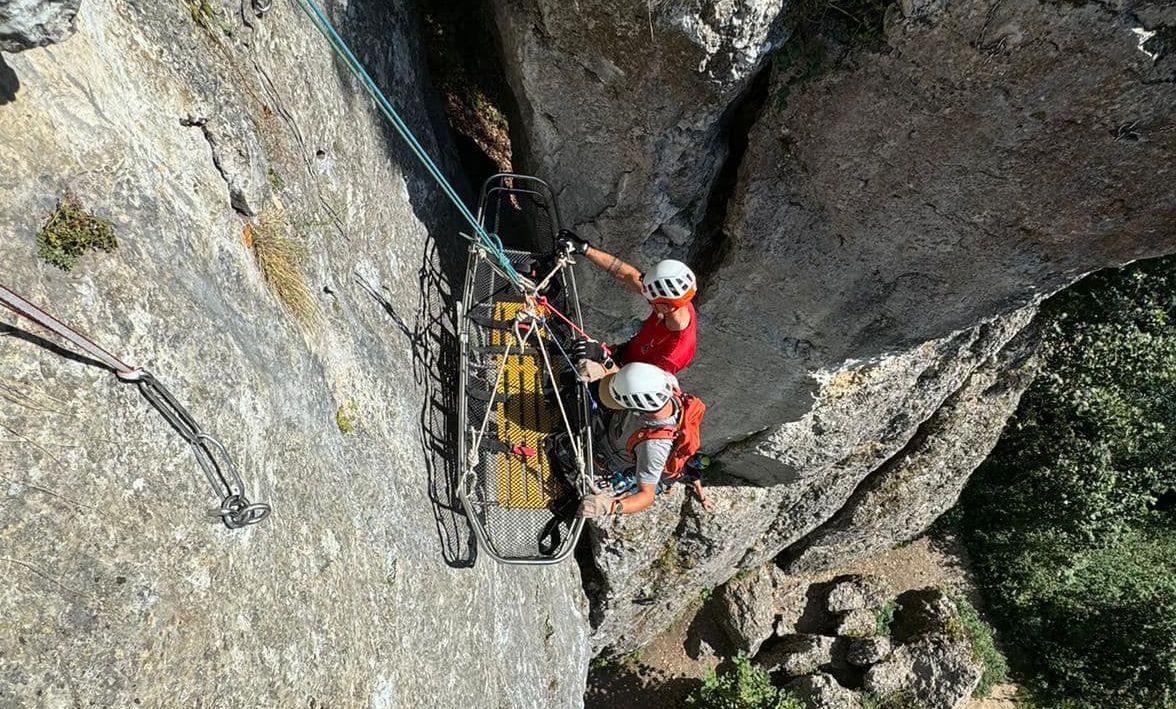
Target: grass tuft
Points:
x,y
280,258
202,13
72,231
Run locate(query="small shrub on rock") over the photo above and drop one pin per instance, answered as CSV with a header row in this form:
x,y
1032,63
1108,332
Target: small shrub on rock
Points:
x,y
979,634
743,686
72,231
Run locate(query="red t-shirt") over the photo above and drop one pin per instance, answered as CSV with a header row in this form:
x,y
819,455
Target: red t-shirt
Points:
x,y
658,345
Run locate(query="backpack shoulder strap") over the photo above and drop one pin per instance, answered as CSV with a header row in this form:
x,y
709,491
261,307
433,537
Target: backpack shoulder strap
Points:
x,y
648,434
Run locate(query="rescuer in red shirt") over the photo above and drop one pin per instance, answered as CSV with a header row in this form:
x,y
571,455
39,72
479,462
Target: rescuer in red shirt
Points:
x,y
668,337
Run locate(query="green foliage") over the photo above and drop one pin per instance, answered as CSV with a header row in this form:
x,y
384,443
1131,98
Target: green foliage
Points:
x,y
202,12
743,686
1071,521
275,179
72,231
345,417
884,617
984,650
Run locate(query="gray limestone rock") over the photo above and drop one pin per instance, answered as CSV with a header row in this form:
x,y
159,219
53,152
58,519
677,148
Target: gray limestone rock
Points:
x,y
935,671
904,497
797,655
867,651
25,24
857,623
865,219
623,108
821,691
237,154
923,612
363,588
747,607
857,592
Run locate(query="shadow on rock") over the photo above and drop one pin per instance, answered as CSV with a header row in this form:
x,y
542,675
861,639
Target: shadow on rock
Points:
x,y
9,83
637,687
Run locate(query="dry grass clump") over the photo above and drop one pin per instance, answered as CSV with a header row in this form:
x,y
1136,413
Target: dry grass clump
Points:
x,y
281,258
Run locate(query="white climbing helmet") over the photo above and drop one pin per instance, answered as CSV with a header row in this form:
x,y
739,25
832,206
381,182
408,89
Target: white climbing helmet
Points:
x,y
670,282
638,386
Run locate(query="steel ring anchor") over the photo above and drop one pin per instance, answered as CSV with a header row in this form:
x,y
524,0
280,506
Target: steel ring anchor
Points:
x,y
236,512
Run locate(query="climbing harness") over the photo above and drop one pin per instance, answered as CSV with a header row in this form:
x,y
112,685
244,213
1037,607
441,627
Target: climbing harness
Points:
x,y
235,509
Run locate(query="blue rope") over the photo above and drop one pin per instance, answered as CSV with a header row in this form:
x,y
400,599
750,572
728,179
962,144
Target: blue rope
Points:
x,y
490,242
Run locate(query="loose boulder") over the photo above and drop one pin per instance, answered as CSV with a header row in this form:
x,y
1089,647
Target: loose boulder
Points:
x,y
823,692
936,672
857,592
748,607
867,651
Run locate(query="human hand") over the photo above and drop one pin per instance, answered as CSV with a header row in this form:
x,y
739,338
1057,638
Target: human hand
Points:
x,y
587,349
573,242
595,505
708,504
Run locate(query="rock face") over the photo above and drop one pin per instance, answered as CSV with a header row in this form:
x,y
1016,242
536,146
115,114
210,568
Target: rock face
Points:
x,y
362,588
34,23
622,107
902,499
894,220
971,169
834,449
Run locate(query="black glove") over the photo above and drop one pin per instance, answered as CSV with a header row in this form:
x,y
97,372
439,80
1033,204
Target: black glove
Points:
x,y
574,243
587,349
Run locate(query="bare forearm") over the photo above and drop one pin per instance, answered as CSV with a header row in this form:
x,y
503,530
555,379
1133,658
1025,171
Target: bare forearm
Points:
x,y
639,500
617,268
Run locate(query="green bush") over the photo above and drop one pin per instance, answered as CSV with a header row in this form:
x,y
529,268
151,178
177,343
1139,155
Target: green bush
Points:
x,y
984,650
743,686
1071,521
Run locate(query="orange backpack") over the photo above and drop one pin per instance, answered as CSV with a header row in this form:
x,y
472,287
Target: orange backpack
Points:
x,y
686,435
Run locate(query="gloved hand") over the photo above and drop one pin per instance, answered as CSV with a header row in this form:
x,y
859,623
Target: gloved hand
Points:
x,y
574,242
597,505
587,349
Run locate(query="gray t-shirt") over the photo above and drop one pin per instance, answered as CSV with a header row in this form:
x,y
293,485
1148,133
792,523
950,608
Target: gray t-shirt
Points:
x,y
612,444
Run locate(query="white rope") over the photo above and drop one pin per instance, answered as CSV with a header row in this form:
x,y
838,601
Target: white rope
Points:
x,y
559,400
561,263
476,443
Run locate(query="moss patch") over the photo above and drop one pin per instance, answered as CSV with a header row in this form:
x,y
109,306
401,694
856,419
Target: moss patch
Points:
x,y
72,231
345,417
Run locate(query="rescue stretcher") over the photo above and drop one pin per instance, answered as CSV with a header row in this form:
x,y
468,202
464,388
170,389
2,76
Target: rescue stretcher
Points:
x,y
525,449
